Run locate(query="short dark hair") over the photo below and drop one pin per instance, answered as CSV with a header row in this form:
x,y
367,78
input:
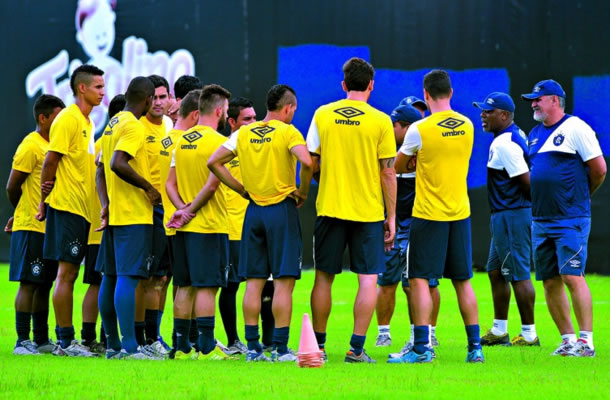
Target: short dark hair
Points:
x,y
437,83
117,104
83,74
357,74
159,81
140,88
189,103
280,95
236,105
211,97
45,105
185,84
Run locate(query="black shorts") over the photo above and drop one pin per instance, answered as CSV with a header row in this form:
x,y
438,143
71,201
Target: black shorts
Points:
x,y
234,261
160,257
91,276
26,262
66,236
202,259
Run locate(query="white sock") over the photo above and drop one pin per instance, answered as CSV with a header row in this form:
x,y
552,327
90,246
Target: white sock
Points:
x,y
500,327
588,336
570,336
433,330
384,329
412,339
528,332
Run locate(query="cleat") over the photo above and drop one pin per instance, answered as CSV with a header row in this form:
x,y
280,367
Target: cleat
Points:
x,y
267,349
351,357
434,341
254,356
521,342
324,355
47,348
151,352
236,348
158,348
475,356
217,354
191,355
489,339
383,340
113,354
167,347
138,355
26,348
74,350
287,357
564,348
411,357
581,349
406,348
96,347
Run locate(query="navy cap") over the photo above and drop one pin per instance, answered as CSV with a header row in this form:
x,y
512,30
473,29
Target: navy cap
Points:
x,y
545,88
496,100
405,113
412,100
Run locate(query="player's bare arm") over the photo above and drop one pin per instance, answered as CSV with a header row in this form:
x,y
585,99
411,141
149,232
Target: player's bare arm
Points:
x,y
305,175
216,164
405,163
315,161
388,185
47,176
120,166
171,187
597,173
13,192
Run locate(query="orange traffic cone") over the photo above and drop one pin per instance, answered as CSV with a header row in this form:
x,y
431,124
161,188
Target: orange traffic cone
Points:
x,y
309,354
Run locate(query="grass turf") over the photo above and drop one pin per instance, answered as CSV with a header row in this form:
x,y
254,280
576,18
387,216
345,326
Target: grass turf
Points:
x,y
507,372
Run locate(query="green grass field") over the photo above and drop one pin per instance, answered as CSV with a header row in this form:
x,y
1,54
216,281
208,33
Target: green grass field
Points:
x,y
508,372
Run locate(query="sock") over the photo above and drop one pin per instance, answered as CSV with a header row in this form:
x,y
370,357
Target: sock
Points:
x,y
474,338
88,333
125,306
357,343
571,337
40,326
103,336
140,328
500,327
280,339
159,319
57,332
194,334
588,337
205,327
22,325
252,337
66,336
384,329
151,328
421,340
105,302
412,339
181,329
528,332
228,311
432,330
267,320
321,339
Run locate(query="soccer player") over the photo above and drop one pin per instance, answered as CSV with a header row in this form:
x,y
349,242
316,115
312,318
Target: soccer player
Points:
x,y
416,102
567,168
69,163
353,148
127,197
271,242
508,189
201,251
27,264
182,87
439,239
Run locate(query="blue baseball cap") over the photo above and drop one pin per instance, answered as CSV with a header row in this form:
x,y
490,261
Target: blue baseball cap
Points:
x,y
496,100
411,100
545,88
405,113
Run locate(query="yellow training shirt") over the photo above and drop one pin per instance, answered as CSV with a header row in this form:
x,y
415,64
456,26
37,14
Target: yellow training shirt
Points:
x,y
165,158
154,135
236,205
191,156
351,137
96,206
28,159
128,204
443,143
72,135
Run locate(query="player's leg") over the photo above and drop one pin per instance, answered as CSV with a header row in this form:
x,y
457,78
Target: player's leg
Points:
x,y
106,264
251,307
267,320
23,315
40,317
436,305
184,298
227,301
387,282
282,313
63,301
205,301
90,312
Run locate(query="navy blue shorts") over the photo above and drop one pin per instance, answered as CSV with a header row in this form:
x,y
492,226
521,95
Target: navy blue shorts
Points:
x,y
26,262
510,250
161,261
560,247
364,239
91,276
201,259
234,246
440,249
396,258
66,236
126,251
271,241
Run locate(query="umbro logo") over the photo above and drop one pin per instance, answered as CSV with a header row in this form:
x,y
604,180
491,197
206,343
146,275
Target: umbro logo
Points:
x,y
348,112
192,136
166,142
451,123
261,131
150,139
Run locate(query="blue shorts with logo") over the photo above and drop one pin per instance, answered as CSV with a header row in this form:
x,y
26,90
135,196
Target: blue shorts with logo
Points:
x,y
26,261
440,249
160,256
201,259
66,236
560,246
511,245
126,250
271,241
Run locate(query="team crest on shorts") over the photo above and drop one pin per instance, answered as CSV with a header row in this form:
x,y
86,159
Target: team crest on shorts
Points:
x,y
36,267
75,248
558,139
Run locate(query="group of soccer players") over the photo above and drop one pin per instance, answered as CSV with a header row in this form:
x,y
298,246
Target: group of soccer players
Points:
x,y
163,195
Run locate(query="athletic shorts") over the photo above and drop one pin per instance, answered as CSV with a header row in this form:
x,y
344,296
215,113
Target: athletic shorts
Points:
x,y
560,247
126,251
26,262
160,257
439,249
66,236
364,240
202,259
91,276
271,241
234,246
511,244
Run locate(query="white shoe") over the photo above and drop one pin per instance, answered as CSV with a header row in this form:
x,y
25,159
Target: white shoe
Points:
x,y
26,348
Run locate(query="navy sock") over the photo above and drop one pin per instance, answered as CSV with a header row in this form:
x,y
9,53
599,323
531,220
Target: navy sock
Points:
x,y
152,329
125,305
140,328
22,325
105,302
103,336
321,339
228,311
474,339
280,339
194,334
267,320
88,333
357,343
252,337
421,335
206,341
40,326
181,329
159,319
66,336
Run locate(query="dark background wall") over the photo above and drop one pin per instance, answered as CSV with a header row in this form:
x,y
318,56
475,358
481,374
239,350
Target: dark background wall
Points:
x,y
248,45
